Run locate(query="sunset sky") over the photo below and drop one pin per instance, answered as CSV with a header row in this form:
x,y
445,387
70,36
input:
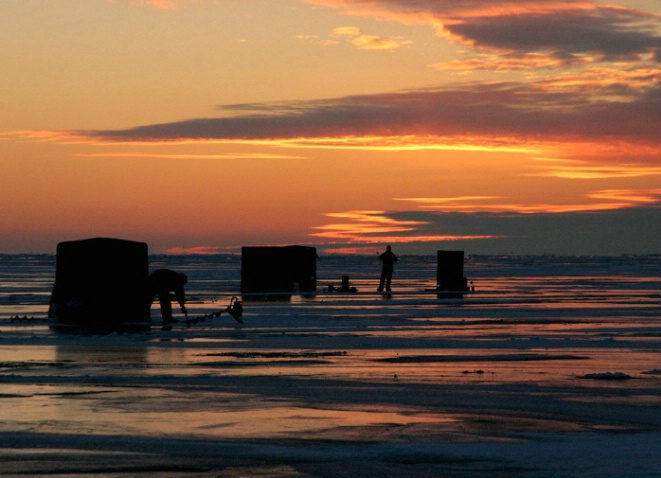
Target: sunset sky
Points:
x,y
491,126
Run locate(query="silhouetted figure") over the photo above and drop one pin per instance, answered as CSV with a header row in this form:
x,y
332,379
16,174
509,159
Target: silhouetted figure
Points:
x,y
160,283
388,259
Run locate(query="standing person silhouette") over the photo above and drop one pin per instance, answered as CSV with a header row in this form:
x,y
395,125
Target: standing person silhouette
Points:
x,y
388,259
160,283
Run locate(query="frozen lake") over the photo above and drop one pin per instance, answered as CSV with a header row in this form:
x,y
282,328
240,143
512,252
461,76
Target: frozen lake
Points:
x,y
551,367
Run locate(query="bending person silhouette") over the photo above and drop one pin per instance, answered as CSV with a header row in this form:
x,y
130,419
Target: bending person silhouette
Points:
x,y
160,283
388,259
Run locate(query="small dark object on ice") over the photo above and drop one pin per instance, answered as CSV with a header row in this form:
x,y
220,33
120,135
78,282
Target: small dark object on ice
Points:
x,y
345,287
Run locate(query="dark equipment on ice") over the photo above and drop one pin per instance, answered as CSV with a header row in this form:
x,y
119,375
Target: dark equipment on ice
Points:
x,y
235,309
100,286
345,287
450,272
278,270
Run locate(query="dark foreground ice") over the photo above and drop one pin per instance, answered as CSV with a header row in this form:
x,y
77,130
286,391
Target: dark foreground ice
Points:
x,y
551,368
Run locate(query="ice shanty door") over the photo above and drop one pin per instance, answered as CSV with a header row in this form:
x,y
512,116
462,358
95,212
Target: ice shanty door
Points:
x,y
101,283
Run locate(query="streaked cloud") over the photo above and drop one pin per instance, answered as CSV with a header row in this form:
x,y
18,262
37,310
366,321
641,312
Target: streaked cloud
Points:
x,y
375,227
610,231
48,136
361,40
141,154
373,42
630,196
584,170
347,31
574,108
512,61
602,200
365,41
441,205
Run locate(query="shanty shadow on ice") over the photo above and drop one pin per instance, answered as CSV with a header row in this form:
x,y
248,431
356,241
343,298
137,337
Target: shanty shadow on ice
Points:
x,y
283,362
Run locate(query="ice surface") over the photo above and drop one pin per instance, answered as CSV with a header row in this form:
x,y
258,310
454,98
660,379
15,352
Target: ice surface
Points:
x,y
551,368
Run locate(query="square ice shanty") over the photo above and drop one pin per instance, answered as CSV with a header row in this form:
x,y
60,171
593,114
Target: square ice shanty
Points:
x,y
100,283
278,269
450,271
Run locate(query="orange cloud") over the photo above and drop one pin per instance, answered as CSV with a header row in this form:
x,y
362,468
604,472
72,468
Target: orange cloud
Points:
x,y
411,142
370,42
369,142
439,201
48,136
574,169
373,42
631,196
344,236
516,208
373,217
363,224
137,154
611,199
512,61
348,31
602,82
374,227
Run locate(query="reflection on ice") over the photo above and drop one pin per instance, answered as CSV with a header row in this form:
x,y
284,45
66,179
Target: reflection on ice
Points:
x,y
150,412
90,354
532,357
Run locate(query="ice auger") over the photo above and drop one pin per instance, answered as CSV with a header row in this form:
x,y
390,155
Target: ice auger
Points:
x,y
235,309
